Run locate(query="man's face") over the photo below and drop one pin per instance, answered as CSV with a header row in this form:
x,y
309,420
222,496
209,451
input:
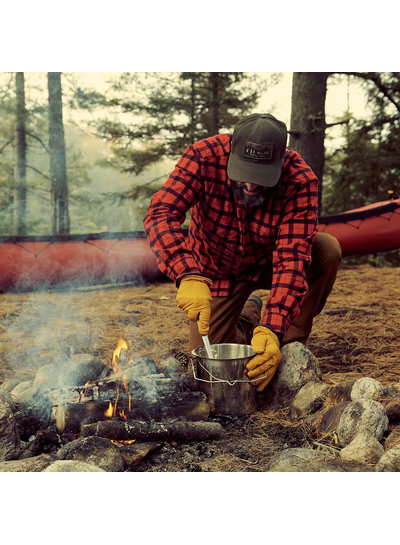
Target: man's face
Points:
x,y
251,194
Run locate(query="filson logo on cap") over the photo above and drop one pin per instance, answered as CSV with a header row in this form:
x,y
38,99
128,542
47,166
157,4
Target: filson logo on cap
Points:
x,y
254,150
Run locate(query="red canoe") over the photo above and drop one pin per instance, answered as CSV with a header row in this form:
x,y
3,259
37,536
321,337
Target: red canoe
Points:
x,y
29,262
367,230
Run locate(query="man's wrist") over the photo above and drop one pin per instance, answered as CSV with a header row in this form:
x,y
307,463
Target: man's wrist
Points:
x,y
194,276
278,335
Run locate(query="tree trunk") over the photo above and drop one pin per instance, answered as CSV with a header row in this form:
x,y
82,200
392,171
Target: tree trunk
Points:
x,y
58,169
20,169
192,110
307,124
214,106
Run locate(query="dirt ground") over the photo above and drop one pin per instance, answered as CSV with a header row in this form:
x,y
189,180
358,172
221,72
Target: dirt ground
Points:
x,y
357,335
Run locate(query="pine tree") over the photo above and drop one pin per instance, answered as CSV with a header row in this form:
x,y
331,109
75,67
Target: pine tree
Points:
x,y
156,115
367,166
20,169
58,168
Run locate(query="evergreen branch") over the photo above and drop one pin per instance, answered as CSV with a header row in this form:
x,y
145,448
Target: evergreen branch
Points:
x,y
39,140
344,122
163,176
6,144
374,78
6,90
378,123
39,172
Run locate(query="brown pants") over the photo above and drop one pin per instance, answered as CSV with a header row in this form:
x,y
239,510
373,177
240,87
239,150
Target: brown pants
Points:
x,y
232,320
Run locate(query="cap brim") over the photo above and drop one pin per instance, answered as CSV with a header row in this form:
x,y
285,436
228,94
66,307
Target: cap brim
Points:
x,y
260,174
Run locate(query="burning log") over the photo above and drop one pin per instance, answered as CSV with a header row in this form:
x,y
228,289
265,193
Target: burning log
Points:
x,y
153,431
154,397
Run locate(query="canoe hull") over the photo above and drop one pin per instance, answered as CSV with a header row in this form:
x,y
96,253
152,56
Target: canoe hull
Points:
x,y
29,263
368,230
39,265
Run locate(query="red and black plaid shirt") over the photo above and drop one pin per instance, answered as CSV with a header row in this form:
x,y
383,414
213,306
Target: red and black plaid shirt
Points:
x,y
226,240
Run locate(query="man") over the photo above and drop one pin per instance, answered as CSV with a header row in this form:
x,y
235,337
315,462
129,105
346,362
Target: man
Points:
x,y
253,205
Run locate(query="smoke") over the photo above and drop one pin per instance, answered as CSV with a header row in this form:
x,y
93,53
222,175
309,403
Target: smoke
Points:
x,y
45,329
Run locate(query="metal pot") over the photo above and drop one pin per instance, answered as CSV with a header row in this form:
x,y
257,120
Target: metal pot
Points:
x,y
222,378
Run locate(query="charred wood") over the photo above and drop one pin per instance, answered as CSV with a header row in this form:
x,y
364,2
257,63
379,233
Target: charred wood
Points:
x,y
154,397
153,431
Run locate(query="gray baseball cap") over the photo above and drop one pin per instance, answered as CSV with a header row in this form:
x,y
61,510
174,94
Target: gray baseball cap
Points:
x,y
257,150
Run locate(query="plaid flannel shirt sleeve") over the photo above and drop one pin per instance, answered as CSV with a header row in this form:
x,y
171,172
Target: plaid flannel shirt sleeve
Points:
x,y
167,212
292,255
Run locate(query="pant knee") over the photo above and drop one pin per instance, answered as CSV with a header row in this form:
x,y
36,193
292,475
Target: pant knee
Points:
x,y
328,249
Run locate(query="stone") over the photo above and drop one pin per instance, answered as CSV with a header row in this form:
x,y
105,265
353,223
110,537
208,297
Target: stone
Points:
x,y
297,459
308,399
390,391
9,435
134,453
28,465
170,366
331,418
298,366
367,388
307,460
362,415
94,450
392,439
71,466
312,424
364,448
340,393
10,383
15,392
392,408
47,376
79,369
390,461
141,368
45,441
25,396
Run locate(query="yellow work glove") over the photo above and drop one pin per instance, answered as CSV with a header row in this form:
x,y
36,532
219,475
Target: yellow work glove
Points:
x,y
267,347
194,298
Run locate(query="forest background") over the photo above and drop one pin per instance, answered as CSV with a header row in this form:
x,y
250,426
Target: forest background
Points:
x,y
83,152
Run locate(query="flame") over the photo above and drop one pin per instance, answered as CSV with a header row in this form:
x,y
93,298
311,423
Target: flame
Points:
x,y
116,401
120,346
121,442
109,411
112,409
86,388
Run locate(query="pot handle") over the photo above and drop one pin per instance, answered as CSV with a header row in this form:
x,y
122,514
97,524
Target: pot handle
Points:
x,y
221,380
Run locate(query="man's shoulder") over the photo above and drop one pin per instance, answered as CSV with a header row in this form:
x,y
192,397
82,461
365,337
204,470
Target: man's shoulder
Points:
x,y
292,157
213,146
294,165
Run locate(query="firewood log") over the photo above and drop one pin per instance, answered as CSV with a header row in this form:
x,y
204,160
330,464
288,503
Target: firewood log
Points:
x,y
150,398
153,431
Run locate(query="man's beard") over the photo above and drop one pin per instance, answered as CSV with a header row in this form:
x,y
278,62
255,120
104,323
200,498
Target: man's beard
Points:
x,y
251,200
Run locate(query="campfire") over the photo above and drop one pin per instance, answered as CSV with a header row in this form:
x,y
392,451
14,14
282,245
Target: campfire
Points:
x,y
129,400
